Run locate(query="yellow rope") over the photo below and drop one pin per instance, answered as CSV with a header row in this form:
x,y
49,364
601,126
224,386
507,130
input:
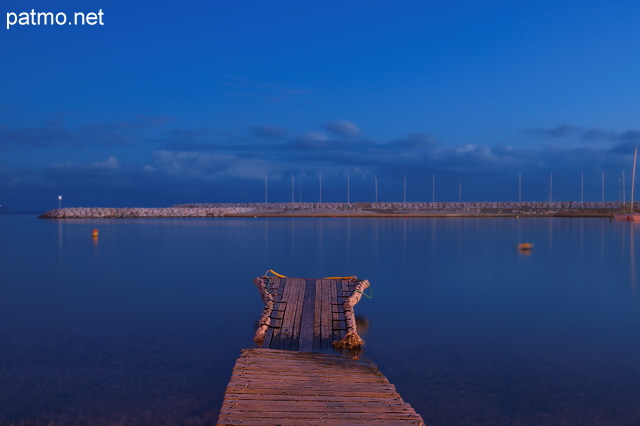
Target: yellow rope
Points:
x,y
351,278
275,273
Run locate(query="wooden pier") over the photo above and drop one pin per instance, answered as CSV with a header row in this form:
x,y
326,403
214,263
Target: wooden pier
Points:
x,y
271,386
290,379
307,314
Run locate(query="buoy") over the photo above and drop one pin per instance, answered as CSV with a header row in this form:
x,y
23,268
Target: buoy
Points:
x,y
94,233
525,247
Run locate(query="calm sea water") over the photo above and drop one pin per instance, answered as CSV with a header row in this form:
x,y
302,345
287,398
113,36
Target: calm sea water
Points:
x,y
143,325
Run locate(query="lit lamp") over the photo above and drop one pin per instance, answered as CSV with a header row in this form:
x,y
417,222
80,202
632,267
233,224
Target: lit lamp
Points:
x,y
59,201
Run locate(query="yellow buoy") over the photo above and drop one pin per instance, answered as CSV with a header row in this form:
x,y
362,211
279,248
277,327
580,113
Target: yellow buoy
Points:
x,y
94,233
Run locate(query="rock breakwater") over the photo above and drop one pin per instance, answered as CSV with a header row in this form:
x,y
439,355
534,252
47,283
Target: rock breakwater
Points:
x,y
140,212
551,208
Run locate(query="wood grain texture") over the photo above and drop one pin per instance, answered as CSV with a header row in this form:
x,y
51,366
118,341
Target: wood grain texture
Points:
x,y
283,387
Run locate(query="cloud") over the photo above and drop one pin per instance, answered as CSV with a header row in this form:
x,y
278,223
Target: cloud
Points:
x,y
47,135
203,164
586,134
342,128
268,132
56,134
180,139
312,141
560,131
415,141
208,166
598,135
110,163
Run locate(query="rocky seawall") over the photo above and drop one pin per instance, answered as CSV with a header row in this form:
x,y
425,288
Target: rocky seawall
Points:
x,y
551,208
140,212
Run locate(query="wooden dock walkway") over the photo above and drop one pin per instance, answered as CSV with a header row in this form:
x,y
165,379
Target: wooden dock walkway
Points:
x,y
283,387
289,380
307,314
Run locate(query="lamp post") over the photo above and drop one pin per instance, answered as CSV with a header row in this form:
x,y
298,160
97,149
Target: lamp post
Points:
x,y
519,187
376,185
404,190
59,201
603,187
433,189
581,188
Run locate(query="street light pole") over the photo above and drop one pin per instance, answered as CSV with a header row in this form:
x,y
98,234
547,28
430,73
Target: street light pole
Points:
x,y
404,193
376,185
519,187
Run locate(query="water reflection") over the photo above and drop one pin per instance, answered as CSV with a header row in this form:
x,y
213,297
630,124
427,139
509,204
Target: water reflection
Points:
x,y
632,258
469,330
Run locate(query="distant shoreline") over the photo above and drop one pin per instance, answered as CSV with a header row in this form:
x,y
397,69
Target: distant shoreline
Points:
x,y
395,209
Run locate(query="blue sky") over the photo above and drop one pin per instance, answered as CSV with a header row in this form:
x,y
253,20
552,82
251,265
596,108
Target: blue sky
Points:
x,y
198,101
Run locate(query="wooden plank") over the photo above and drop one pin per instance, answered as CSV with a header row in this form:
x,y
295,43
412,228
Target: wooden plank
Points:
x,y
283,336
335,324
304,410
309,365
271,339
317,314
273,286
306,322
288,319
297,322
316,416
257,421
306,368
273,397
283,387
315,357
280,407
345,289
325,377
328,362
326,324
300,393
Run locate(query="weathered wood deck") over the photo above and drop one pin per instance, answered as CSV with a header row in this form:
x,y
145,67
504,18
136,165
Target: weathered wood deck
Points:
x,y
283,387
307,314
288,380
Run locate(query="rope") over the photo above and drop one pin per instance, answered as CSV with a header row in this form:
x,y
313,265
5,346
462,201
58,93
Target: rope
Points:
x,y
351,278
365,294
269,285
274,273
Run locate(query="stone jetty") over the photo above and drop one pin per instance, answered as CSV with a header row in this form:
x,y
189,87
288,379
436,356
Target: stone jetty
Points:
x,y
382,209
140,212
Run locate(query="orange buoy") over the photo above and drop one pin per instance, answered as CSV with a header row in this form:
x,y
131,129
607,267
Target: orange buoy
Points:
x,y
94,233
525,247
